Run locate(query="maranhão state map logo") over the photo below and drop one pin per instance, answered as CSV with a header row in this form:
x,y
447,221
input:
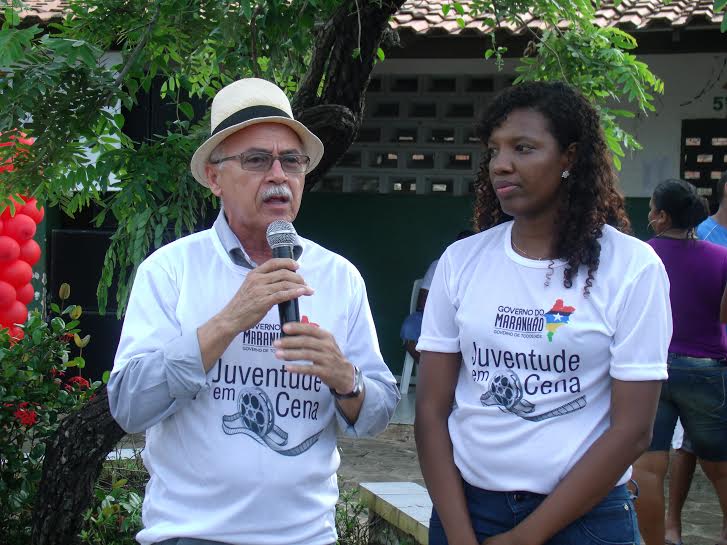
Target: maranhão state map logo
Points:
x,y
557,317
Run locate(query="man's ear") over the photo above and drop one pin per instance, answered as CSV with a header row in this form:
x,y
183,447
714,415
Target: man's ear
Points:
x,y
212,173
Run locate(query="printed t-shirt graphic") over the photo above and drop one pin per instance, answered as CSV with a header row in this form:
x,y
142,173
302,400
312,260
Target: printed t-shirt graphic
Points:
x,y
556,317
255,414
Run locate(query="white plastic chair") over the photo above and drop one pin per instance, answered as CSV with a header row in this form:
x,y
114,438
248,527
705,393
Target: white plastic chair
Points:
x,y
408,360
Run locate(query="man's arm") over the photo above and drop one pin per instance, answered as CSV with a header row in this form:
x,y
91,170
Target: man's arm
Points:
x,y
159,367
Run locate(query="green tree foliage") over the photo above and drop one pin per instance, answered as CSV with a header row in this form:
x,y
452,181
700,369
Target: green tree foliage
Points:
x,y
60,86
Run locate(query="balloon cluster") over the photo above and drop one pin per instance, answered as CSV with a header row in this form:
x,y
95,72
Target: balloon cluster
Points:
x,y
18,251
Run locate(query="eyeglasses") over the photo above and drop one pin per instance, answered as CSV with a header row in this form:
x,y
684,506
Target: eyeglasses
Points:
x,y
261,161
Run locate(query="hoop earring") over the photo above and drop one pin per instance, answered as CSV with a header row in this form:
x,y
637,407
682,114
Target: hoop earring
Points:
x,y
564,175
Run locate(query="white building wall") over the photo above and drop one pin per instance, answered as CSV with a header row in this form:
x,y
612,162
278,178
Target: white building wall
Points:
x,y
695,88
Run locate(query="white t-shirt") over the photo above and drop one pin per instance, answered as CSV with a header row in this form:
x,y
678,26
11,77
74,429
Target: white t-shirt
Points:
x,y
534,387
252,459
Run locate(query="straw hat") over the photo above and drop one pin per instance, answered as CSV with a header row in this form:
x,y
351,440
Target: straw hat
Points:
x,y
248,102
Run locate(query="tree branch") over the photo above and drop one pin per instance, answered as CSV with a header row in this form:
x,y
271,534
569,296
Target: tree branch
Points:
x,y
131,61
253,42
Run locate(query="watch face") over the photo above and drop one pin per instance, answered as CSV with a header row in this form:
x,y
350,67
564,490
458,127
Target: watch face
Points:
x,y
357,382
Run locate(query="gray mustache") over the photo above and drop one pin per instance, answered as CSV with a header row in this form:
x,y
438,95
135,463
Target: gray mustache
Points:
x,y
277,191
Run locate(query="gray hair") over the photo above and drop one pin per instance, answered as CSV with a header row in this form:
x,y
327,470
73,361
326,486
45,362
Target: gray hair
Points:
x,y
217,153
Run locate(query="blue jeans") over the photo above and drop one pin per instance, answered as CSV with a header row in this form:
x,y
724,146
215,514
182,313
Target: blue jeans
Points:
x,y
611,522
695,392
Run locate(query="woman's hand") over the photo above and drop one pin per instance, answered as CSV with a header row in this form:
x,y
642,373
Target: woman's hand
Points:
x,y
507,538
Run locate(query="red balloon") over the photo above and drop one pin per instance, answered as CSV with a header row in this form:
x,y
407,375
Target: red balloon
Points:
x,y
29,251
6,214
17,274
16,333
9,249
20,227
7,294
16,313
25,294
33,210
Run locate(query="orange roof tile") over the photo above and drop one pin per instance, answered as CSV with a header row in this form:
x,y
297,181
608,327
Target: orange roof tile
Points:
x,y
426,17
44,11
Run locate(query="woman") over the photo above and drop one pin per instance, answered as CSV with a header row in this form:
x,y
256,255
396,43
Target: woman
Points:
x,y
695,391
544,340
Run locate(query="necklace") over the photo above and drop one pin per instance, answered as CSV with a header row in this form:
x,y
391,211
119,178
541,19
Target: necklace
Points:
x,y
663,234
523,252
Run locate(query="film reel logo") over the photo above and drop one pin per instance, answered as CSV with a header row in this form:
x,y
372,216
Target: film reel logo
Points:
x,y
256,419
506,392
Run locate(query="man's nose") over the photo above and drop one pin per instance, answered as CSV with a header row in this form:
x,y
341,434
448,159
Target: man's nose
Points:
x,y
276,172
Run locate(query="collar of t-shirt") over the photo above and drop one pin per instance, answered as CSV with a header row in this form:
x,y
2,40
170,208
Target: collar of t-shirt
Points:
x,y
234,248
230,242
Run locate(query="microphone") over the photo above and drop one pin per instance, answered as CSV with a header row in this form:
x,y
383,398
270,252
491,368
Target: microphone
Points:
x,y
283,241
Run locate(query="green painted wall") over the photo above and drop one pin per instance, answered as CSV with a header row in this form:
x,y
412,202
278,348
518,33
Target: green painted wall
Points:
x,y
392,239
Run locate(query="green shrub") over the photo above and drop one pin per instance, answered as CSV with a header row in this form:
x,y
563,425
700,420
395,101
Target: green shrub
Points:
x,y
39,385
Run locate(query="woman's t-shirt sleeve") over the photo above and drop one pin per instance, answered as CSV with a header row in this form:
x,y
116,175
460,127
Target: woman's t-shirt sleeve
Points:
x,y
440,332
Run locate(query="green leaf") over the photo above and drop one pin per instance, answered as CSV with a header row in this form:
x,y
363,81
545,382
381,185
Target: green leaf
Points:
x,y
380,54
12,18
105,377
187,109
719,5
119,484
623,113
13,43
460,22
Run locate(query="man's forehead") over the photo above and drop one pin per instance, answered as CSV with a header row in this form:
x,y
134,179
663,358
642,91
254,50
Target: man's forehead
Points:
x,y
264,136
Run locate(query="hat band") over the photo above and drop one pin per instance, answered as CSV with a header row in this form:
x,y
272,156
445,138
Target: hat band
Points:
x,y
246,114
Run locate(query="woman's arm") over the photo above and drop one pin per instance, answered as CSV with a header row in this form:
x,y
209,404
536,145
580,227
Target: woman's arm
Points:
x,y
437,380
633,408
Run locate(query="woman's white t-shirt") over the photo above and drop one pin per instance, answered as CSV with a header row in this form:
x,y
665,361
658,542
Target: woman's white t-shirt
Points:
x,y
534,387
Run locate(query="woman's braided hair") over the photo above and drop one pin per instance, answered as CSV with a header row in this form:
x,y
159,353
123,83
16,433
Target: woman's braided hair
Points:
x,y
591,199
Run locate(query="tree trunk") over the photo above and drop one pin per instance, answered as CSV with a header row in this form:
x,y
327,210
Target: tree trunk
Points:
x,y
343,58
73,460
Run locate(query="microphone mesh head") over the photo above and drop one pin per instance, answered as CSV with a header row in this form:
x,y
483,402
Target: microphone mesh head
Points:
x,y
281,233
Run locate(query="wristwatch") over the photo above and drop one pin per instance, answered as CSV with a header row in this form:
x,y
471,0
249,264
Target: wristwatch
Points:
x,y
357,386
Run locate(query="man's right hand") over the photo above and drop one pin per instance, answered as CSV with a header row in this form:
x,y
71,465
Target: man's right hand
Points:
x,y
269,284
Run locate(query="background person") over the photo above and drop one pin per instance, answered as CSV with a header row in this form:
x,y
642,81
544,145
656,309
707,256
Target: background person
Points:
x,y
683,461
412,326
695,391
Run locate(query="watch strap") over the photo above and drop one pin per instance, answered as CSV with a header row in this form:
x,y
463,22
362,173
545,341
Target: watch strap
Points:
x,y
357,386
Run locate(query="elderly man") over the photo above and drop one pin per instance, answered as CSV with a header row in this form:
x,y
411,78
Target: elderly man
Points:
x,y
240,443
